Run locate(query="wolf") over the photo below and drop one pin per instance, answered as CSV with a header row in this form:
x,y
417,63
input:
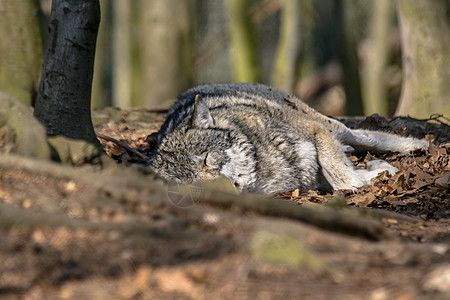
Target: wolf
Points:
x,y
265,141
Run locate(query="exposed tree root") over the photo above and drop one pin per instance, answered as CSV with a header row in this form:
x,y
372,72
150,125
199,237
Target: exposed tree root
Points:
x,y
125,184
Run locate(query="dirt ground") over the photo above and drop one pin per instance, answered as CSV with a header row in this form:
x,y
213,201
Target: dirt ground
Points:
x,y
110,230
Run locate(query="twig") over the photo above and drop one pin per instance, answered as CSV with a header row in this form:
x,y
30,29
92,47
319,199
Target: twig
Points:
x,y
434,117
122,144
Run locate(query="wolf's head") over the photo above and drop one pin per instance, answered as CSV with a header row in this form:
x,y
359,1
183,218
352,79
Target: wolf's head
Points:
x,y
195,151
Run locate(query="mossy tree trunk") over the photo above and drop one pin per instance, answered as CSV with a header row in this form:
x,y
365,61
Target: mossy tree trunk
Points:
x,y
166,62
288,52
242,45
346,23
101,82
122,66
20,49
425,32
63,102
375,87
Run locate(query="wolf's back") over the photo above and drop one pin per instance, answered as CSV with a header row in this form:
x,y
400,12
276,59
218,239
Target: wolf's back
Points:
x,y
255,94
219,95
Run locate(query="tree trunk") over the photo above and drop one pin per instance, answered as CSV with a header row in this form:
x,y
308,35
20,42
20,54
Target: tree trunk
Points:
x,y
288,52
63,102
122,67
101,82
346,48
242,44
166,50
425,32
375,91
20,49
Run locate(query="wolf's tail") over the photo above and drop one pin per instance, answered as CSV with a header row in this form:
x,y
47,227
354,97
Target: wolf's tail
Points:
x,y
380,141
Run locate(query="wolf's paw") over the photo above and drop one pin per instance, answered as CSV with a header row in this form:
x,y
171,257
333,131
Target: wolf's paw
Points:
x,y
348,149
380,166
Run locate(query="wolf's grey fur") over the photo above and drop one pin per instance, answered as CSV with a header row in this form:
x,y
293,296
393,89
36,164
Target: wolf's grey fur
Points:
x,y
264,140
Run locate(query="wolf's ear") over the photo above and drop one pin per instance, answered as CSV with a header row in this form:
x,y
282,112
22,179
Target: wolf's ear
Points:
x,y
201,117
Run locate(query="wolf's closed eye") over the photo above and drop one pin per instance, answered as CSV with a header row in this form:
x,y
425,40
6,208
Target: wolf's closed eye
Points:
x,y
211,160
205,160
202,159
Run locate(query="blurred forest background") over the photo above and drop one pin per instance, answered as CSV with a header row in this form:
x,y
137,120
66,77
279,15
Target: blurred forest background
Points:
x,y
344,57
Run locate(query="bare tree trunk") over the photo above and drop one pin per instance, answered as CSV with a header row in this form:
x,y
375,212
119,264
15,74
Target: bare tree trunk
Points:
x,y
346,49
288,52
20,49
63,102
167,49
425,32
242,45
101,82
122,67
375,91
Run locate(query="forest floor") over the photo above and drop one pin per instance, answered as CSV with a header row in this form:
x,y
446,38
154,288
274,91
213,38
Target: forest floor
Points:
x,y
110,230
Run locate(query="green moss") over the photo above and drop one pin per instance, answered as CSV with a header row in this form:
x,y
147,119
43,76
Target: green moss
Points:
x,y
270,247
20,49
22,129
73,152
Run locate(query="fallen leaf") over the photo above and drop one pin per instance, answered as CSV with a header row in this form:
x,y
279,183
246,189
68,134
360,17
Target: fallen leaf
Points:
x,y
443,182
364,200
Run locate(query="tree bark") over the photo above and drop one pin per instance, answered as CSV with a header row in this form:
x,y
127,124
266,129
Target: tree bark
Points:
x,y
425,28
242,45
346,48
101,82
63,102
375,91
166,50
122,66
20,49
288,52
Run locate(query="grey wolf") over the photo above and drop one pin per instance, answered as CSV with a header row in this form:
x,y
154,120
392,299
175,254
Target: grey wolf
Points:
x,y
265,141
